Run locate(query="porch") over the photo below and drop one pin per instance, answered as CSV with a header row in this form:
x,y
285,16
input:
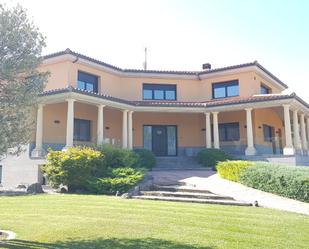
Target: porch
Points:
x,y
171,129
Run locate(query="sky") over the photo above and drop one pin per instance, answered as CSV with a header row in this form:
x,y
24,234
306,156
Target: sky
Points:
x,y
182,34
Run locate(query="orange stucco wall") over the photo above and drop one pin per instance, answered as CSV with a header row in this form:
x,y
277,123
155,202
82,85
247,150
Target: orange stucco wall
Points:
x,y
269,117
190,127
130,88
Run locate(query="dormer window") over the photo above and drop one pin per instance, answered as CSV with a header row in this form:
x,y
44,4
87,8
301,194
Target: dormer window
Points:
x,y
225,89
88,82
264,89
159,92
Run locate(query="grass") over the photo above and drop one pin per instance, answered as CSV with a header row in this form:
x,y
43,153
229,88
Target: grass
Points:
x,y
88,222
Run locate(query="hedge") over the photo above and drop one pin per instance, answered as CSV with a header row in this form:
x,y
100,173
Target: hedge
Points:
x,y
73,167
106,170
119,180
210,157
288,181
115,157
231,170
146,158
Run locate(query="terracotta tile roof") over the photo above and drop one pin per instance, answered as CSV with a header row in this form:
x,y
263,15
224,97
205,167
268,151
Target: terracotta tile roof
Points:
x,y
197,73
202,104
252,99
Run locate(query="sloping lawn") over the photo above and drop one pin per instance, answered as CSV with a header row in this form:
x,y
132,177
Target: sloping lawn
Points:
x,y
87,222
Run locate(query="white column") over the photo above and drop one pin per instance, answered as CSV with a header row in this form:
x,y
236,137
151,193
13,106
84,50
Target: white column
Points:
x,y
297,143
124,129
303,133
307,124
130,130
216,130
208,130
38,150
250,150
100,125
288,149
70,124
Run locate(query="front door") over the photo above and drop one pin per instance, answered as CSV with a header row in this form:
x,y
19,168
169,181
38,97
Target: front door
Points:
x,y
159,140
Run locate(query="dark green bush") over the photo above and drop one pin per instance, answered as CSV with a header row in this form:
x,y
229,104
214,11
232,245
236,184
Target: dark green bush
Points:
x,y
288,181
119,179
210,157
231,170
146,158
118,158
73,168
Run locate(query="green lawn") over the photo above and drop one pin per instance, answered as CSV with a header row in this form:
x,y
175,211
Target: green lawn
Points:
x,y
86,222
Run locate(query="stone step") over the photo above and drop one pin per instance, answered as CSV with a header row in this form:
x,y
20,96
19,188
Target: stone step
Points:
x,y
173,167
186,195
180,188
176,163
192,200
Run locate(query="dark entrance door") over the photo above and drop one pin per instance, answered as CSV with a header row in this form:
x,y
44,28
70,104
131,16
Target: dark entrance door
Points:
x,y
159,140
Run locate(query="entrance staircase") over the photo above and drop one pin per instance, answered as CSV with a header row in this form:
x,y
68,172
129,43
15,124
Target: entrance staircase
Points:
x,y
177,163
168,181
183,193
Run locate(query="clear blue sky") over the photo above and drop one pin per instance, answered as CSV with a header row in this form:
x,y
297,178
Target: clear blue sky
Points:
x,y
183,34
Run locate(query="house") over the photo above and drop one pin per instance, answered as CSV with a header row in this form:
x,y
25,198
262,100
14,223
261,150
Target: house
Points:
x,y
240,109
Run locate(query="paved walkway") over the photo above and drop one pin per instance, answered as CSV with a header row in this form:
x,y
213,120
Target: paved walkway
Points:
x,y
209,180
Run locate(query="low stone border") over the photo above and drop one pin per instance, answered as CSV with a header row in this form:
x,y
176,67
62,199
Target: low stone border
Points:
x,y
10,235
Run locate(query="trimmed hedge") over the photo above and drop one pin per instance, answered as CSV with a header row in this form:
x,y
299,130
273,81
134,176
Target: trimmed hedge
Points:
x,y
146,158
231,170
288,181
120,179
210,157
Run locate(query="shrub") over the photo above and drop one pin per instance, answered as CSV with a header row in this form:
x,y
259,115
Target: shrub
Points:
x,y
118,158
120,179
73,168
288,181
146,158
210,157
231,170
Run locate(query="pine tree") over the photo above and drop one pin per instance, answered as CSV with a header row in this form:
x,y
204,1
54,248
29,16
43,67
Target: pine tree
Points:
x,y
21,45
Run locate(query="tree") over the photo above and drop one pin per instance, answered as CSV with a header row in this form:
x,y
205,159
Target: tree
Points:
x,y
21,45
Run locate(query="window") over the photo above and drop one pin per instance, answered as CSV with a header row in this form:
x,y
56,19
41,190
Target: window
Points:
x,y
82,131
87,82
0,174
225,89
159,92
228,132
264,90
268,133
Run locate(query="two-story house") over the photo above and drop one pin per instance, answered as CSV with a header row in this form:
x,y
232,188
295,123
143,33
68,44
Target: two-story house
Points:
x,y
240,109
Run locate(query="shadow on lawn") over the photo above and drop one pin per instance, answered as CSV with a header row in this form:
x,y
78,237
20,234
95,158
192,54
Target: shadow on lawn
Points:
x,y
146,243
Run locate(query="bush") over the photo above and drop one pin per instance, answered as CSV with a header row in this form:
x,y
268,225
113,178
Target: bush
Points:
x,y
288,181
231,170
118,158
120,179
73,168
146,158
210,157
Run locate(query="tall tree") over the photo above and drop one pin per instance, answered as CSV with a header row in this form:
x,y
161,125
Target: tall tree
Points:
x,y
21,46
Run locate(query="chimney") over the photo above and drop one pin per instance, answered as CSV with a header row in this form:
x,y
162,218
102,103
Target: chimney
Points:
x,y
206,66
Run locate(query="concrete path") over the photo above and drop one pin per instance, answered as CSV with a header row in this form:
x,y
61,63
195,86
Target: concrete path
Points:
x,y
209,180
217,185
172,177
